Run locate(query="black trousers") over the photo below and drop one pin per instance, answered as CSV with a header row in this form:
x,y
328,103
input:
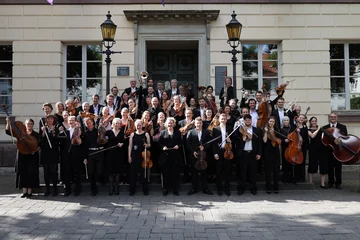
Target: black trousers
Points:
x,y
95,168
50,173
272,167
135,169
73,166
248,166
170,170
223,171
194,176
334,171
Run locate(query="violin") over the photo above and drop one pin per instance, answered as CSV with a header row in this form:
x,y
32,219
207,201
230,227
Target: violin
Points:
x,y
71,109
271,135
101,135
264,111
180,110
146,163
149,126
245,133
85,115
130,127
293,153
26,143
281,88
228,154
76,136
214,123
346,148
201,163
183,130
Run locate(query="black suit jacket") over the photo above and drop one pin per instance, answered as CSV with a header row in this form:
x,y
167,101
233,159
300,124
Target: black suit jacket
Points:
x,y
256,142
230,95
192,140
91,110
170,91
275,113
340,126
216,133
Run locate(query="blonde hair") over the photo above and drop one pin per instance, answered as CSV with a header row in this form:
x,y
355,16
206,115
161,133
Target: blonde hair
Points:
x,y
168,120
115,120
104,108
138,121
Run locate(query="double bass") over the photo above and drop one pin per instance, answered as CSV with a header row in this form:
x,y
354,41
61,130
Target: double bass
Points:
x,y
346,148
264,111
293,153
26,143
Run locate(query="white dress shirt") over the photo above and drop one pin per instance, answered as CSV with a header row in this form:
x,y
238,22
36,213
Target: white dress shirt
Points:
x,y
199,135
281,116
71,132
254,117
333,125
223,136
133,89
96,109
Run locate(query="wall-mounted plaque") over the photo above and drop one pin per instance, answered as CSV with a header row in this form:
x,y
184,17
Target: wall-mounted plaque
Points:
x,y
123,71
220,72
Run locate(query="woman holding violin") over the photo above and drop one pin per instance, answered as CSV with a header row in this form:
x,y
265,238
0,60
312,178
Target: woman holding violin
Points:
x,y
147,123
209,116
165,101
170,143
315,160
230,120
49,157
106,118
138,141
113,157
155,149
134,112
127,128
27,164
271,155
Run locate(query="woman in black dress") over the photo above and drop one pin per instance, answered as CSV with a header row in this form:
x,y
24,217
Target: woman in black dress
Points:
x,y
300,169
137,143
230,119
271,156
59,108
315,146
287,168
113,156
170,142
28,164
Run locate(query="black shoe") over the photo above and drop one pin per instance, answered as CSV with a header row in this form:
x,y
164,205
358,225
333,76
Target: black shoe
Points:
x,y
117,190
253,191
268,191
276,191
94,193
29,195
131,193
338,186
192,191
227,192
330,185
165,193
241,192
111,190
220,193
323,187
66,194
176,193
55,193
207,191
24,195
47,193
76,194
146,193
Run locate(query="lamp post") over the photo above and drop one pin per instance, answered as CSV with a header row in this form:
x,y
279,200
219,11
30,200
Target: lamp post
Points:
x,y
108,29
233,29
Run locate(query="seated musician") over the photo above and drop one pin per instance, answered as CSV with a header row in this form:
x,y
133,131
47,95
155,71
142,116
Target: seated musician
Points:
x,y
194,142
248,151
94,162
223,165
170,143
335,166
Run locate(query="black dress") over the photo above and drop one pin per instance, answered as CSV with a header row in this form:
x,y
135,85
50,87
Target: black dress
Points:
x,y
287,168
114,157
315,161
28,167
272,164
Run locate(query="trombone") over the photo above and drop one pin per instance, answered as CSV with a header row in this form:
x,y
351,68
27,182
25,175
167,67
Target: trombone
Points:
x,y
294,101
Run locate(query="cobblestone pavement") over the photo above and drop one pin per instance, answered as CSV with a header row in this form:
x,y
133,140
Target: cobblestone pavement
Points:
x,y
292,214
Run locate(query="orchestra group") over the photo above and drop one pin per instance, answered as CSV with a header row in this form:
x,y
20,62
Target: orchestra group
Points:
x,y
166,130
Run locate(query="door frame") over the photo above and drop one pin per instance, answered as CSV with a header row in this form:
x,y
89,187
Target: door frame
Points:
x,y
174,33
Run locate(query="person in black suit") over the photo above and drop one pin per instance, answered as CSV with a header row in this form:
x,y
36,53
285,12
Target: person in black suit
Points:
x,y
280,113
174,89
132,87
159,90
95,107
334,166
149,83
229,94
223,166
117,99
248,151
200,111
154,110
195,140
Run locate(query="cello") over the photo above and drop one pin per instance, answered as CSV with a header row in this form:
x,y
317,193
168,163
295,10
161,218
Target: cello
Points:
x,y
26,143
293,153
346,148
201,163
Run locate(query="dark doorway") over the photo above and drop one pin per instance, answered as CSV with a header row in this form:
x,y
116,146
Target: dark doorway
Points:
x,y
173,60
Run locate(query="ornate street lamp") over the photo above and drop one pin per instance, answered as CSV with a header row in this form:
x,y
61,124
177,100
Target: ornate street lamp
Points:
x,y
108,30
233,29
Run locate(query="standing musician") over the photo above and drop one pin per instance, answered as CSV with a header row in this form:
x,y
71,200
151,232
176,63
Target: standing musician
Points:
x,y
177,110
150,94
155,151
303,130
248,151
133,89
186,125
137,143
117,99
154,109
95,107
105,119
47,109
63,126
280,113
223,166
72,156
27,164
110,104
159,91
165,102
170,143
210,90
145,91
59,108
227,92
174,89
114,162
209,115
49,154
230,120
93,162
195,140
71,108
147,123
335,166
127,128
234,112
287,168
271,155
315,160
84,114
134,111
253,112
200,112
124,103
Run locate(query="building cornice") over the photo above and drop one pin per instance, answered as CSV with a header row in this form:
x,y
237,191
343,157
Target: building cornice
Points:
x,y
154,15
